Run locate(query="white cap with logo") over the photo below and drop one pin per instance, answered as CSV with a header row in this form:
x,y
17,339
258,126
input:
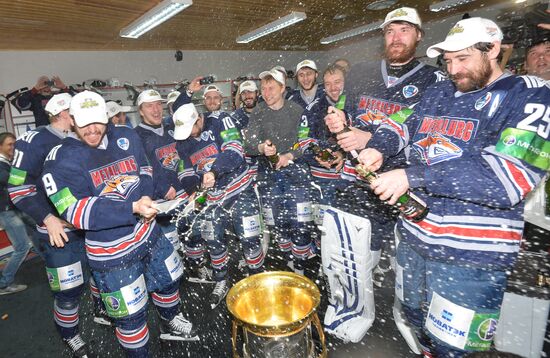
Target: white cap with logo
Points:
x,y
184,119
172,96
88,107
147,96
466,33
114,108
407,14
277,76
306,63
58,103
248,86
212,88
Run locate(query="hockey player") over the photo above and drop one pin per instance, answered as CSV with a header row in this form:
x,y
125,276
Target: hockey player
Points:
x,y
478,144
537,59
213,98
98,171
160,148
213,159
395,83
117,113
308,90
57,242
248,91
277,129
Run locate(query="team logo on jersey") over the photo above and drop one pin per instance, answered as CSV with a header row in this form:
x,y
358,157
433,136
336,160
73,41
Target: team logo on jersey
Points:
x,y
120,187
206,152
436,148
410,91
205,165
482,101
378,105
171,133
372,117
123,143
168,156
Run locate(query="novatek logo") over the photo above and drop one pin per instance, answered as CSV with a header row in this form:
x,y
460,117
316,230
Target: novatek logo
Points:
x,y
445,326
487,328
112,302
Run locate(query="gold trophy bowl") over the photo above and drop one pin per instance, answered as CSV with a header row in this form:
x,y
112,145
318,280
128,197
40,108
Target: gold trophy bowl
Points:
x,y
275,308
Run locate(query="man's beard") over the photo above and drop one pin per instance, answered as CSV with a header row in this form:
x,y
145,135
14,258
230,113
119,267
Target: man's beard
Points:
x,y
254,102
401,55
476,80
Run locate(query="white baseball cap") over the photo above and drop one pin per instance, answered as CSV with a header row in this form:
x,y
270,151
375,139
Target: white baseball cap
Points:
x,y
212,88
58,103
172,96
403,14
147,96
467,33
114,108
184,119
280,68
248,86
88,107
306,63
277,76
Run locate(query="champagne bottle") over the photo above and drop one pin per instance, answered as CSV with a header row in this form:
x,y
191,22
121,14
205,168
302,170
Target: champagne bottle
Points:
x,y
273,159
322,154
411,206
200,199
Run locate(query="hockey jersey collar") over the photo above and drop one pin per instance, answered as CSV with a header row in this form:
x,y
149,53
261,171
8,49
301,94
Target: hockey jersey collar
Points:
x,y
158,130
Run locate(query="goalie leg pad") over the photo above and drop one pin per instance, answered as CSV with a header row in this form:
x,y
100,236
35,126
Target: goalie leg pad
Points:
x,y
348,263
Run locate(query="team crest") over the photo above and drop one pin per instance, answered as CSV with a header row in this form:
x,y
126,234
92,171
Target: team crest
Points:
x,y
410,91
205,165
436,148
123,143
372,117
171,161
120,186
482,101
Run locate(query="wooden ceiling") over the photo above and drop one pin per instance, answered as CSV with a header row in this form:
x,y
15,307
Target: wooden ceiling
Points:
x,y
206,25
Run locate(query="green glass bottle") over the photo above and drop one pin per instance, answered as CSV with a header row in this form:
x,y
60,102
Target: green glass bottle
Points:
x,y
411,206
200,199
273,159
321,153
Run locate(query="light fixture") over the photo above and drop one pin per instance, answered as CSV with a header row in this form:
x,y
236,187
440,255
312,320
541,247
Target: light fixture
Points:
x,y
353,32
290,19
165,10
445,5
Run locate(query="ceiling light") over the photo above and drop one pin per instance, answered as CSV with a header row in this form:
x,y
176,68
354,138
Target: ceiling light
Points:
x,y
445,5
381,4
353,32
276,25
154,17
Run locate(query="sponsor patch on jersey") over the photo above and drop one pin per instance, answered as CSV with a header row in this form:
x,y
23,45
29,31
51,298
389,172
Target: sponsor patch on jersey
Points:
x,y
120,186
525,145
123,143
482,101
436,148
128,300
410,91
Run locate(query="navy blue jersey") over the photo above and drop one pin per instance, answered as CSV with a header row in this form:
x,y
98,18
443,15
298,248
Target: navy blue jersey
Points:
x,y
160,148
240,117
296,95
219,150
474,157
94,188
374,95
31,150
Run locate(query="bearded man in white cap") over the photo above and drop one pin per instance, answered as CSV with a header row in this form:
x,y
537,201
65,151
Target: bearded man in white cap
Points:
x,y
99,180
478,144
57,242
308,89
